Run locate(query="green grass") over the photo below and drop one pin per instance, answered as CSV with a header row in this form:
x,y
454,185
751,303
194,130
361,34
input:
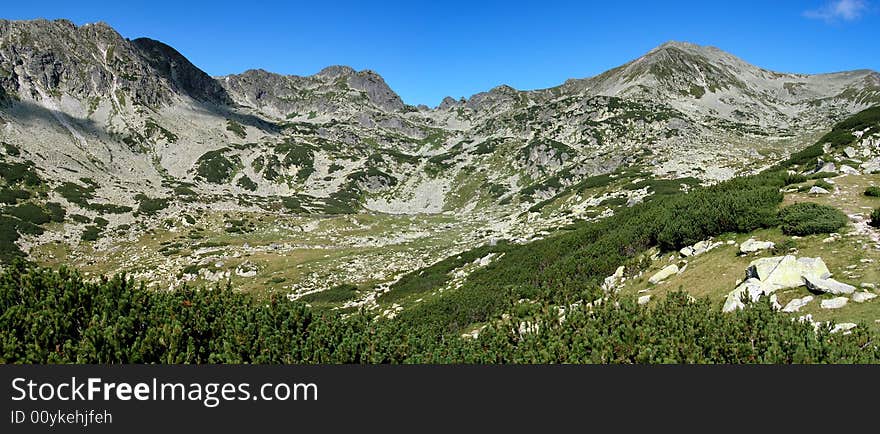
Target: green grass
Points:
x,y
872,191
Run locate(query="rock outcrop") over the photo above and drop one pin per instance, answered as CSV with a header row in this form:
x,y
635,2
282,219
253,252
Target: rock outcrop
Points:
x,y
751,245
664,274
765,276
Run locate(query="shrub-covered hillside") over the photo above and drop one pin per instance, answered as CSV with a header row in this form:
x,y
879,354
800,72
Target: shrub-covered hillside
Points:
x,y
54,316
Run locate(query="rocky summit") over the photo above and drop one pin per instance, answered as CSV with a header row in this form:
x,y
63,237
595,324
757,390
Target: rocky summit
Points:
x,y
121,154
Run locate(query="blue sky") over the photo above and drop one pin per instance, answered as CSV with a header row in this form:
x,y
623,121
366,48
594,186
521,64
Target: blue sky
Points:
x,y
426,50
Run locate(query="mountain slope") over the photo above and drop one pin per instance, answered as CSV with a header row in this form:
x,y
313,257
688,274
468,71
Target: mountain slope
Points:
x,y
129,137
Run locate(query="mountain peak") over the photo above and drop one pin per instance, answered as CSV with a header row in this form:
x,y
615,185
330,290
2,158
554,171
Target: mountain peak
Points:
x,y
334,71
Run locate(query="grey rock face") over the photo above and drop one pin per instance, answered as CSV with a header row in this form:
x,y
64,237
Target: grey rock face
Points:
x,y
183,75
88,61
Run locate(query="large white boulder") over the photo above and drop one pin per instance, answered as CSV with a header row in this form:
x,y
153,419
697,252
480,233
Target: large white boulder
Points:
x,y
786,271
830,286
834,303
818,190
663,274
751,245
644,299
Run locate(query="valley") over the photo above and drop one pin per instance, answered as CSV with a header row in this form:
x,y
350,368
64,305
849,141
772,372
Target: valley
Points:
x,y
495,211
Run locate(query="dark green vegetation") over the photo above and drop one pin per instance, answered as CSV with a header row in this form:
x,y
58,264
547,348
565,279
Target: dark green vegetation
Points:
x,y
571,265
82,196
872,191
116,321
236,128
15,173
435,276
19,182
246,183
664,186
150,206
29,212
336,294
11,196
875,218
217,168
841,135
824,184
810,218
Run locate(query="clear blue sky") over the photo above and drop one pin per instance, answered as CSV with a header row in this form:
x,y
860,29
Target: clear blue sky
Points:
x,y
426,50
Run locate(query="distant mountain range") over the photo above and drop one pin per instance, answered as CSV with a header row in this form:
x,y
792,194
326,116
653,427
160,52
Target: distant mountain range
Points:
x,y
135,116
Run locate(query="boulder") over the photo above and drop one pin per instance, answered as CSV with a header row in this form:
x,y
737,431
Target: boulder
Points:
x,y
686,251
861,297
849,170
761,268
834,303
786,271
796,304
843,327
774,301
786,275
814,267
829,286
752,245
751,288
663,274
818,190
644,299
612,281
850,152
825,167
871,166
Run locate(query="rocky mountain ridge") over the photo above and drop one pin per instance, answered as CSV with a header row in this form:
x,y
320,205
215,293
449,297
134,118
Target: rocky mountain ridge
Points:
x,y
133,121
